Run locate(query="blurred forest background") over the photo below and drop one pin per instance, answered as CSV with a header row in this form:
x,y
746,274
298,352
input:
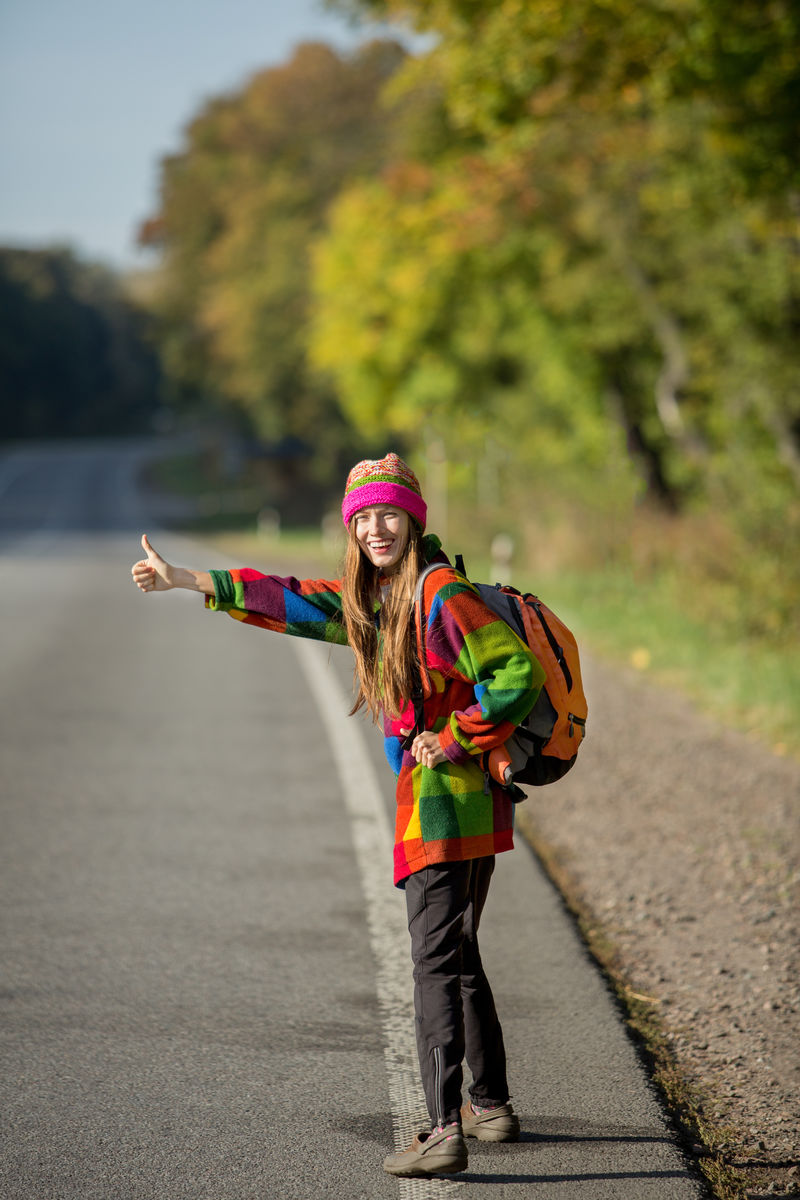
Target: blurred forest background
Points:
x,y
554,260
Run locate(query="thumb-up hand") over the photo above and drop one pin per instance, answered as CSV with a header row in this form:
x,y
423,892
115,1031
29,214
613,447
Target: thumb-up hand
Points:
x,y
152,574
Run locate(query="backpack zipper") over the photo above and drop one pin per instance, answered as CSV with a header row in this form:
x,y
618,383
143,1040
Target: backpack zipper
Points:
x,y
558,651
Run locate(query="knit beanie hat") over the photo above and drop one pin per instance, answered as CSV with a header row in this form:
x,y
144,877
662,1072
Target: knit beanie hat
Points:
x,y
383,481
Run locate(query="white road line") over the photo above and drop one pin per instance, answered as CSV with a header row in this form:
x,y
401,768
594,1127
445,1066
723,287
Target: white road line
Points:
x,y
384,908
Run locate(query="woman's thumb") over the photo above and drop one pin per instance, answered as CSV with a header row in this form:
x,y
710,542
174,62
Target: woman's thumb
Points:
x,y
148,549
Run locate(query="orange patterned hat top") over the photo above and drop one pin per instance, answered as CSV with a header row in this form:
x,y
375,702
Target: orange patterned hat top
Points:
x,y
386,480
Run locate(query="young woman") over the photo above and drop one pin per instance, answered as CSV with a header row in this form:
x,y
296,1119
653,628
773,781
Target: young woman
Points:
x,y
478,680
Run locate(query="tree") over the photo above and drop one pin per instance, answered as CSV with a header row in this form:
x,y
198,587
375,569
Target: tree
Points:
x,y
240,206
502,60
75,358
607,133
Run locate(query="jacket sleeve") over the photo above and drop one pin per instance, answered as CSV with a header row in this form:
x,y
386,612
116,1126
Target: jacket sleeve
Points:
x,y
310,608
465,640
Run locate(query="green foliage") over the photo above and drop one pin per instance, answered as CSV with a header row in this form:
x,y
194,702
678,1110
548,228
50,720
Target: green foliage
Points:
x,y
599,270
561,244
665,625
75,357
433,323
625,224
744,57
504,62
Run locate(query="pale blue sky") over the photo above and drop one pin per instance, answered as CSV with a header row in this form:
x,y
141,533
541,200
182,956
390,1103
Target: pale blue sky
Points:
x,y
94,92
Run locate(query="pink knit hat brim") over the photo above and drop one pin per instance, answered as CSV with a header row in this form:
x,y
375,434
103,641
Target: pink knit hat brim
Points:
x,y
385,492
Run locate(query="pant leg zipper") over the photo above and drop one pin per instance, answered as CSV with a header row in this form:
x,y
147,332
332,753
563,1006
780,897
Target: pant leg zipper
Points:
x,y
438,1083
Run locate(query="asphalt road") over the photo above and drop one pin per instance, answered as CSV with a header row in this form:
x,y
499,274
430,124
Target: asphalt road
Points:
x,y
205,982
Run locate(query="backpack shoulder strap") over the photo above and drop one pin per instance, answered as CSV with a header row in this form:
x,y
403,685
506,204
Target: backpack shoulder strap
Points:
x,y
419,591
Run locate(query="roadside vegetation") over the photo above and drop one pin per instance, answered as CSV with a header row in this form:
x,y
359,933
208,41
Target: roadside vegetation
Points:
x,y
76,355
670,622
554,259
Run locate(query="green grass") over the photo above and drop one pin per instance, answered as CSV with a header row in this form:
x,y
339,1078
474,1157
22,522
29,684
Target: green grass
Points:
x,y
648,625
675,610
294,550
641,624
179,474
657,614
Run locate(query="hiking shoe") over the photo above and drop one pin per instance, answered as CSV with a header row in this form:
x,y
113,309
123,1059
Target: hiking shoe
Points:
x,y
499,1124
442,1153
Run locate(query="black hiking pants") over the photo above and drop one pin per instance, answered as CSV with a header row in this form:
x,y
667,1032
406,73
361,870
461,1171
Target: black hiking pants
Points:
x,y
455,1012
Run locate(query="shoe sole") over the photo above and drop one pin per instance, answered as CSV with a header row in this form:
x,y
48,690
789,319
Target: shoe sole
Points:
x,y
444,1164
426,1167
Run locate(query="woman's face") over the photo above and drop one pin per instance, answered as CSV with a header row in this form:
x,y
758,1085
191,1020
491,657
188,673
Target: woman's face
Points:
x,y
382,533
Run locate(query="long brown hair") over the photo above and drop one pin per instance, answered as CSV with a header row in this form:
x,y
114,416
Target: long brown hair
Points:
x,y
386,660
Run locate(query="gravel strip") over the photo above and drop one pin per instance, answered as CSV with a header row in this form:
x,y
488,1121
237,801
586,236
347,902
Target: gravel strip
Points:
x,y
682,838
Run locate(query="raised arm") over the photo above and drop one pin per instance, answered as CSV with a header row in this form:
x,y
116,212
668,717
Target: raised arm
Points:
x,y
310,608
155,574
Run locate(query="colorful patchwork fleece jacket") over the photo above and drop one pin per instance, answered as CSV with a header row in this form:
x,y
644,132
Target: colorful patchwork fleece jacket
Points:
x,y
483,681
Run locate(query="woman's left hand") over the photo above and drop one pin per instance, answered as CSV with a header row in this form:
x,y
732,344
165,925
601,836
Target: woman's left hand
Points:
x,y
426,749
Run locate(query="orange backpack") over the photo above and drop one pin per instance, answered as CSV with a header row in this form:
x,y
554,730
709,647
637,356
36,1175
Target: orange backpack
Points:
x,y
545,745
